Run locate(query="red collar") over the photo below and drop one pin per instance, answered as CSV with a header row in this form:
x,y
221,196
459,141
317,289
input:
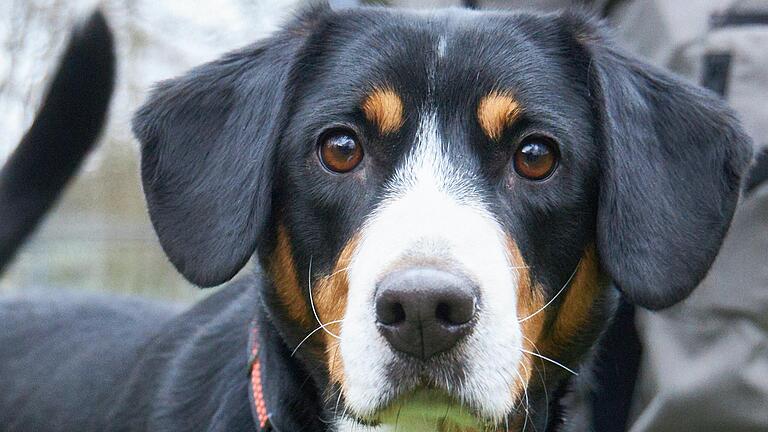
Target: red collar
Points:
x,y
256,391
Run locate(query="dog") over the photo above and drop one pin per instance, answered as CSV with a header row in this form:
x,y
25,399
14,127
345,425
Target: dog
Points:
x,y
438,205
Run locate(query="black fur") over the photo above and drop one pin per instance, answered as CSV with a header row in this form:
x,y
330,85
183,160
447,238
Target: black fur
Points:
x,y
650,173
64,131
669,179
208,142
615,372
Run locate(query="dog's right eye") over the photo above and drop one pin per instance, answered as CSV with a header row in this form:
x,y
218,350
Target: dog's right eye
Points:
x,y
340,151
536,158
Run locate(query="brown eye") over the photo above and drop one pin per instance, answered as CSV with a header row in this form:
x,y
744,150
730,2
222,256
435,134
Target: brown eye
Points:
x,y
340,151
536,158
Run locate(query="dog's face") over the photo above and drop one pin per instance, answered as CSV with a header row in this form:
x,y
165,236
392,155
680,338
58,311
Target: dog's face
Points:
x,y
441,199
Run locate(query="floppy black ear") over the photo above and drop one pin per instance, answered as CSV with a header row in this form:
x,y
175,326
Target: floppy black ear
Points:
x,y
208,143
673,156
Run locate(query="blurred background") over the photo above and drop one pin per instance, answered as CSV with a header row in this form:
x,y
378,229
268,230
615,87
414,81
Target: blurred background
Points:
x,y
99,236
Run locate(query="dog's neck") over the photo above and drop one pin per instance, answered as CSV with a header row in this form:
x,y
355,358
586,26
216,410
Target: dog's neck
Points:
x,y
290,396
293,401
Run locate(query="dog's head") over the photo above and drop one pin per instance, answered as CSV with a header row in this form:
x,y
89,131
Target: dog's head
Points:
x,y
449,193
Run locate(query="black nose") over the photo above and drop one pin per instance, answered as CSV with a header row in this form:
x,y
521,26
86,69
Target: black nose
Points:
x,y
425,311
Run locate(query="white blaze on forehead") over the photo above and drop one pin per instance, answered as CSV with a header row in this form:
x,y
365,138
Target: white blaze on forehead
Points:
x,y
427,173
432,212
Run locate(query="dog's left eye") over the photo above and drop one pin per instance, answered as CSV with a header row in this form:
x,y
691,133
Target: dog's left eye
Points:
x,y
340,150
536,158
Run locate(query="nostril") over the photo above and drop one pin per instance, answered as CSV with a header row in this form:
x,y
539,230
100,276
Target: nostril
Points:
x,y
395,315
443,313
455,313
390,312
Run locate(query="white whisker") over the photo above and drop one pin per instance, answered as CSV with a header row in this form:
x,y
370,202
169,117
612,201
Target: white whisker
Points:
x,y
341,270
527,401
313,332
312,303
549,360
541,378
338,401
568,282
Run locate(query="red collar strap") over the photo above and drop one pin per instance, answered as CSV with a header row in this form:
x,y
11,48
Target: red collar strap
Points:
x,y
256,391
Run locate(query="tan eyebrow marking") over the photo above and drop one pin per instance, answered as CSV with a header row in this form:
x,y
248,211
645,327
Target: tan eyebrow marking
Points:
x,y
496,111
384,107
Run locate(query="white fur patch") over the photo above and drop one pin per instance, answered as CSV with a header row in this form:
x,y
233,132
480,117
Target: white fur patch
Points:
x,y
442,44
432,211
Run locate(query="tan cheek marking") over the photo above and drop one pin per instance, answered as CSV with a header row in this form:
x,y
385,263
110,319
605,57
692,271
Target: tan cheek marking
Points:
x,y
497,111
530,299
576,313
573,316
330,299
384,108
283,271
